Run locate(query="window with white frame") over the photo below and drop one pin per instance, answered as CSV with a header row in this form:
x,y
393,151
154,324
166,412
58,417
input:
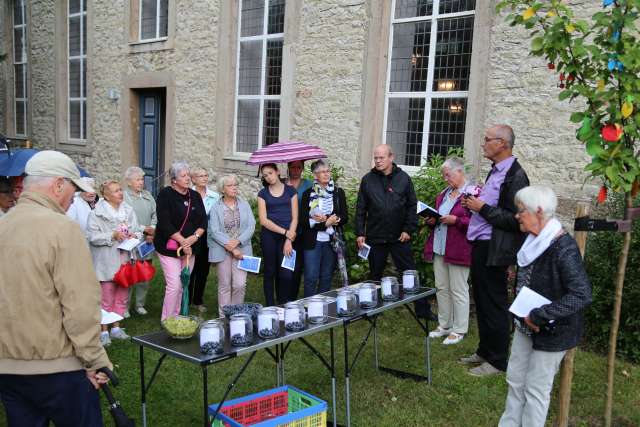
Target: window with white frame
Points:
x,y
428,77
77,70
259,72
20,67
153,19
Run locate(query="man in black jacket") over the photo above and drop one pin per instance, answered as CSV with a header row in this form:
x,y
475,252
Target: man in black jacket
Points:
x,y
495,236
386,214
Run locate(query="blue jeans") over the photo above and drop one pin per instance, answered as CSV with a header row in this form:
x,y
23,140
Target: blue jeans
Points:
x,y
319,265
67,399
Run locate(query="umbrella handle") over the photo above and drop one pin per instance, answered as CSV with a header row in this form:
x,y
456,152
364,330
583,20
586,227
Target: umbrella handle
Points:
x,y
109,373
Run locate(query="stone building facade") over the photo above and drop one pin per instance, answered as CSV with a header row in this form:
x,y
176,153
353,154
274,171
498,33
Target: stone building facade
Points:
x,y
221,77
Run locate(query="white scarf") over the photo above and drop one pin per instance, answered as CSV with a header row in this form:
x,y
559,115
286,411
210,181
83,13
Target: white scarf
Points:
x,y
534,246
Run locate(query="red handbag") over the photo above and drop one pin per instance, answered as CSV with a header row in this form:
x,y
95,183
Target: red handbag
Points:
x,y
133,272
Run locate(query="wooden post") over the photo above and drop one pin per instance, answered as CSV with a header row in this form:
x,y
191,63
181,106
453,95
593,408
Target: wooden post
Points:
x,y
566,369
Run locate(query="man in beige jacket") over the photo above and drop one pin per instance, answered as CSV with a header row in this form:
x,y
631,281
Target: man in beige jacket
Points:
x,y
50,302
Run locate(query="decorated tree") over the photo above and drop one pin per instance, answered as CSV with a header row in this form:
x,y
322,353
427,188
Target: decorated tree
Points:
x,y
597,62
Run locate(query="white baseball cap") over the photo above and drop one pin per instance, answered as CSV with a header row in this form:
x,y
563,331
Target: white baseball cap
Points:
x,y
54,163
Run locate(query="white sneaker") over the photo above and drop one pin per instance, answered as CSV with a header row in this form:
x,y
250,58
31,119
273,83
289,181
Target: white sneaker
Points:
x,y
126,314
439,332
141,311
119,334
105,341
453,338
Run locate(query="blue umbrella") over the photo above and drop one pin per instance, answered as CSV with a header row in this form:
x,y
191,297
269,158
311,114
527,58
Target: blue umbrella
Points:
x,y
12,162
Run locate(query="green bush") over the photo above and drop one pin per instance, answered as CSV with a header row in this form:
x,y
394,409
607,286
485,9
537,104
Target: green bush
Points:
x,y
603,249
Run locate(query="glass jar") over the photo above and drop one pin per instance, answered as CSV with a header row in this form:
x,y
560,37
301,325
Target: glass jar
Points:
x,y
240,330
317,310
268,323
346,302
368,295
390,289
410,281
212,337
294,318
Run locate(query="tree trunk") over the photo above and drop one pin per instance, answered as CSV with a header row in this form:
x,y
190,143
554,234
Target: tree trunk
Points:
x,y
615,322
566,370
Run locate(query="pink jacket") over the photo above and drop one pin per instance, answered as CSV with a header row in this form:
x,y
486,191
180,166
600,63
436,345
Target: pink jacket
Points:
x,y
457,249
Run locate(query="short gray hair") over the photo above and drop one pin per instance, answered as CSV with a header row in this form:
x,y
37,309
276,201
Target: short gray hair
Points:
x,y
132,172
176,168
505,132
453,164
537,197
197,169
224,180
318,164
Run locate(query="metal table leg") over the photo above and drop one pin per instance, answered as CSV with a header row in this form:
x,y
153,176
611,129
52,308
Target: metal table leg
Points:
x,y
333,379
205,397
347,392
143,394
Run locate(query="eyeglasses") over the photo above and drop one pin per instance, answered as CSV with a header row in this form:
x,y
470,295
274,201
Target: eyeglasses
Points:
x,y
322,171
231,185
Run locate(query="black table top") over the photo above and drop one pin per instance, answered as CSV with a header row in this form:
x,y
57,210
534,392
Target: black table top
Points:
x,y
189,349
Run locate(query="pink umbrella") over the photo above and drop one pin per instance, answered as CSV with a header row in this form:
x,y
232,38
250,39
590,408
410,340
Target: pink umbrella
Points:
x,y
285,152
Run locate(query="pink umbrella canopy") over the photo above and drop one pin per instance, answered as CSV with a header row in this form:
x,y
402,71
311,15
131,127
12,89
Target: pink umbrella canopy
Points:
x,y
285,152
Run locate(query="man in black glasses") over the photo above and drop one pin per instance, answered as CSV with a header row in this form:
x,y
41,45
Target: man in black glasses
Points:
x,y
495,236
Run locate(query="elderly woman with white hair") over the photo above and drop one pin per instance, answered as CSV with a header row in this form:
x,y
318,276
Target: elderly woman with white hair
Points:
x,y
182,221
198,280
447,247
231,226
144,206
549,263
83,203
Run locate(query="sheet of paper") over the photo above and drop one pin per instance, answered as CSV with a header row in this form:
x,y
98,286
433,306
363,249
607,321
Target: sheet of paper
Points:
x,y
129,244
265,321
145,249
408,282
236,327
291,315
316,309
364,251
365,295
289,262
425,210
250,264
342,302
209,335
386,287
280,314
526,301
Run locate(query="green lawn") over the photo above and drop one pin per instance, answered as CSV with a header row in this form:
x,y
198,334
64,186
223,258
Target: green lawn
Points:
x,y
378,399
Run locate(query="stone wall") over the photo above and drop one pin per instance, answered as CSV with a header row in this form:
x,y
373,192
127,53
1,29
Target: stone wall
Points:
x,y
329,78
523,92
328,42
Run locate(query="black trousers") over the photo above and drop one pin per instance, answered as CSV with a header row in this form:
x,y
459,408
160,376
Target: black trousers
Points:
x,y
492,306
275,276
67,399
198,279
403,260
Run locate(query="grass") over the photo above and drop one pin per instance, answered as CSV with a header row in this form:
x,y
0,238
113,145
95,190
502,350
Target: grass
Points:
x,y
378,399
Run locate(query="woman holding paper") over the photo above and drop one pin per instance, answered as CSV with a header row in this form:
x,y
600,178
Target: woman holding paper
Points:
x,y
109,224
324,208
278,212
448,248
231,226
550,265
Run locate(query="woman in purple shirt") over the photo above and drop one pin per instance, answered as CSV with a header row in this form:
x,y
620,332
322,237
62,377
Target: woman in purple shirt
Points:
x,y
450,252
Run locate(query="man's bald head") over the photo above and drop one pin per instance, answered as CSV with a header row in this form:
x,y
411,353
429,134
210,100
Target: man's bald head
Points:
x,y
504,132
383,158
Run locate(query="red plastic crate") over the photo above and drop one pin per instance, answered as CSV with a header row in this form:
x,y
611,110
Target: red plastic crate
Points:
x,y
260,409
